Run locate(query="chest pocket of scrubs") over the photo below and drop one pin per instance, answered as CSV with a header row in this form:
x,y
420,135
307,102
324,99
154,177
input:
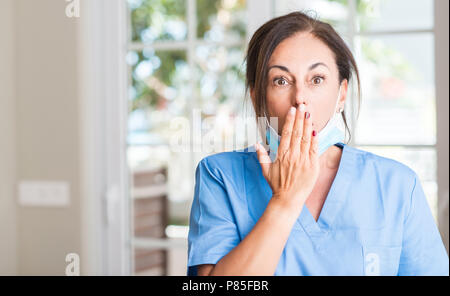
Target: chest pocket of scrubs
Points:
x,y
381,260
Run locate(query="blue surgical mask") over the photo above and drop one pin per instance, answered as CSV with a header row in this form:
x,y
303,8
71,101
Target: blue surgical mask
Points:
x,y
328,136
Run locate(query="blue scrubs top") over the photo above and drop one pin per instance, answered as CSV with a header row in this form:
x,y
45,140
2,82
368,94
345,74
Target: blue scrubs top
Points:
x,y
375,219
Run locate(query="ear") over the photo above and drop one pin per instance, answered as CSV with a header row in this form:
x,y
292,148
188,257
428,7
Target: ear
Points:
x,y
343,94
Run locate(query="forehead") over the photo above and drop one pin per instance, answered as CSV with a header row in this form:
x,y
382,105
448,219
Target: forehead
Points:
x,y
300,51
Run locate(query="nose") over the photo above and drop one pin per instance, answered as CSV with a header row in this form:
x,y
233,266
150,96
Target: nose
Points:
x,y
299,97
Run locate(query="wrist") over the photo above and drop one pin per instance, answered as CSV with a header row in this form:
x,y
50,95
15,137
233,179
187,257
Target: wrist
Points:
x,y
286,204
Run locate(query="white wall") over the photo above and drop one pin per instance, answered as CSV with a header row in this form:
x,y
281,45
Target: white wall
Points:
x,y
47,131
8,262
49,122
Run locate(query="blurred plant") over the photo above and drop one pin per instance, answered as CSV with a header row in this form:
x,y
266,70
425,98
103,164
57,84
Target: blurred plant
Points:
x,y
227,14
153,20
366,9
154,75
220,73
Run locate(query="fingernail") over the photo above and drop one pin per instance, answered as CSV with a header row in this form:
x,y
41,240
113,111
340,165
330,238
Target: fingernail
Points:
x,y
302,107
292,110
314,133
307,115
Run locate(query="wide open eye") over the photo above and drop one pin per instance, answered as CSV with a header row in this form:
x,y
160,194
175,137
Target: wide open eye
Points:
x,y
317,80
280,81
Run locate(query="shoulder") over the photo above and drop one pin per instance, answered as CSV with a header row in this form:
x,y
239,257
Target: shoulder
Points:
x,y
382,179
225,170
386,169
381,163
227,159
228,164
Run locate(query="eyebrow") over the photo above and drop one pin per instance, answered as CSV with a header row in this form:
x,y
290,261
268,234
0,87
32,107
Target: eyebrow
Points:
x,y
285,69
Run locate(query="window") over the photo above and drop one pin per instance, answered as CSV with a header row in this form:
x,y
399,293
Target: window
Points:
x,y
394,49
184,56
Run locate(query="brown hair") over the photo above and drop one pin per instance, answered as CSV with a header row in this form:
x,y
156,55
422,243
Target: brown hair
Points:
x,y
268,36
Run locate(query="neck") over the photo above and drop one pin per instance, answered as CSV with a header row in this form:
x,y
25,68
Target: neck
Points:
x,y
330,158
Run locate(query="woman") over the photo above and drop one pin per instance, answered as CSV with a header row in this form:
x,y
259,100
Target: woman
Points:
x,y
311,205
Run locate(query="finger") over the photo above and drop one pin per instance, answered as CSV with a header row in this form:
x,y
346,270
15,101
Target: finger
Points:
x,y
297,131
314,149
307,133
286,133
263,158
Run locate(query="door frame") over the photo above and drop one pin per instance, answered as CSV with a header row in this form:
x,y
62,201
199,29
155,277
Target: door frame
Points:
x,y
105,207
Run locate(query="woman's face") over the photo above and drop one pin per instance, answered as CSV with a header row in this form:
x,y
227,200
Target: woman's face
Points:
x,y
302,69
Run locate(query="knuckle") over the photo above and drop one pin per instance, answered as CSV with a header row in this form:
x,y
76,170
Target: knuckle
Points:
x,y
290,160
286,132
296,134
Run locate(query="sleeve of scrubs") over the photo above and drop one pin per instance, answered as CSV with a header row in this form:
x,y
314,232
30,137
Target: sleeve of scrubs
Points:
x,y
212,230
423,252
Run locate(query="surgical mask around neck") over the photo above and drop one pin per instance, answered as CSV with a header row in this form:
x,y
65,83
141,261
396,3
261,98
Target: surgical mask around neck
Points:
x,y
328,136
